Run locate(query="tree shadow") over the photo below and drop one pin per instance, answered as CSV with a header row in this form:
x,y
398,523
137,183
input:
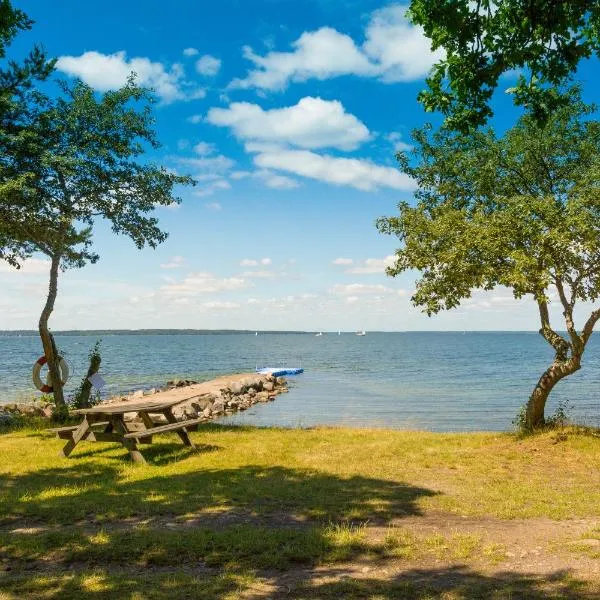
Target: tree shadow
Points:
x,y
89,490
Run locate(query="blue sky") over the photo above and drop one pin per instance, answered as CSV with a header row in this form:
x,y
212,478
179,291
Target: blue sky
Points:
x,y
288,114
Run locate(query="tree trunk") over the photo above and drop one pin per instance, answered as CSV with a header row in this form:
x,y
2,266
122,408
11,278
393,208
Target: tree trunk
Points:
x,y
48,339
83,400
534,414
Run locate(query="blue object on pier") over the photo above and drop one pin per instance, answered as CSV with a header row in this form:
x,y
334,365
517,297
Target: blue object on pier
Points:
x,y
278,372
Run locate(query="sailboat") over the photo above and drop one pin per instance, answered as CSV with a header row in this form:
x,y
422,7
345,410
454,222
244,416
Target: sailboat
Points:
x,y
256,333
319,334
361,333
339,333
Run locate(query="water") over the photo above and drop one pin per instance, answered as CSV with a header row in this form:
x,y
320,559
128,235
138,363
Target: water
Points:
x,y
434,381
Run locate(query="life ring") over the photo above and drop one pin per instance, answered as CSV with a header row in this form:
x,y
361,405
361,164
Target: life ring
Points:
x,y
37,380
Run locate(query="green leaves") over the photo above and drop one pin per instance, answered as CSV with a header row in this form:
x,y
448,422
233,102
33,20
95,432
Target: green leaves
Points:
x,y
521,211
484,39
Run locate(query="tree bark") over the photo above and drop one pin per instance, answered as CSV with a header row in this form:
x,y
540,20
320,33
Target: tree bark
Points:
x,y
47,338
83,401
534,414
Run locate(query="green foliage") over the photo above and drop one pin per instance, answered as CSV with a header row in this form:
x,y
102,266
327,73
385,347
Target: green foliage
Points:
x,y
521,211
78,160
86,395
544,41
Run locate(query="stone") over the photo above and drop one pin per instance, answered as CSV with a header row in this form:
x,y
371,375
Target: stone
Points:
x,y
281,380
207,412
268,386
48,411
236,388
252,392
138,393
218,407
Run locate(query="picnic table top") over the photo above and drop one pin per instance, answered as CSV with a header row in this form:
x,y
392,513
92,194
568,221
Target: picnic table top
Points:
x,y
119,408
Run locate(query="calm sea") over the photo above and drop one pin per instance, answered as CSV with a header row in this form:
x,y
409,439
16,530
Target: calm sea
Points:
x,y
435,381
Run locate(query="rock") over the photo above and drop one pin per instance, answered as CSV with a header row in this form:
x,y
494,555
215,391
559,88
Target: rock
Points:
x,y
252,392
236,388
48,411
207,412
151,391
190,413
268,386
218,407
138,393
281,380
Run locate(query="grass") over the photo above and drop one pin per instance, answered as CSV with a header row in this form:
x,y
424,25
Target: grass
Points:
x,y
231,519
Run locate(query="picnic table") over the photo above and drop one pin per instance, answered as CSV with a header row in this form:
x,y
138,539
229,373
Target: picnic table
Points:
x,y
106,423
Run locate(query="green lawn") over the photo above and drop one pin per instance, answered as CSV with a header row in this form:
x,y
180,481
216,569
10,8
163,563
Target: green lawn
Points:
x,y
253,506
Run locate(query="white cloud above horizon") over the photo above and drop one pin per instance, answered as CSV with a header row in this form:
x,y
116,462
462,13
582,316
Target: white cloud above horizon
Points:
x,y
105,72
361,174
393,50
208,65
311,123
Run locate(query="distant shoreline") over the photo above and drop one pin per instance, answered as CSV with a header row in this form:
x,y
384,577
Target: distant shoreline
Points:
x,y
91,332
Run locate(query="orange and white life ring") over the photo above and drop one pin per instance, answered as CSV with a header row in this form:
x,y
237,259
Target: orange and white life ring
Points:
x,y
37,380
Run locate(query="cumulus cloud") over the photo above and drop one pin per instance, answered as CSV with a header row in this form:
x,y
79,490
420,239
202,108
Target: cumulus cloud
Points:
x,y
361,174
342,261
204,148
175,263
396,140
195,119
354,289
248,262
31,266
105,72
190,52
312,123
373,265
265,261
208,65
393,50
210,188
214,206
203,283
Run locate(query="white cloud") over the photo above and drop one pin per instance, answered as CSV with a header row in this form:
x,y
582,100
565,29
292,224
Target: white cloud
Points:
x,y
208,65
396,139
265,261
195,119
221,305
317,54
214,206
212,187
260,274
354,289
31,266
393,50
248,262
204,148
175,263
358,173
275,181
342,261
213,164
203,283
373,265
106,72
190,52
312,123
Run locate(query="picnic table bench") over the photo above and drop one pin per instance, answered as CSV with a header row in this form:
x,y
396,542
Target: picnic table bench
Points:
x,y
106,423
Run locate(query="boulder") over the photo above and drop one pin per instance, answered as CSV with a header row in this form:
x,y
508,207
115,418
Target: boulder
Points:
x,y
207,412
281,380
252,392
268,386
236,388
218,407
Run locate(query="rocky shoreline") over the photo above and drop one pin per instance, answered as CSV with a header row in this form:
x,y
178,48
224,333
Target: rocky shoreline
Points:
x,y
207,400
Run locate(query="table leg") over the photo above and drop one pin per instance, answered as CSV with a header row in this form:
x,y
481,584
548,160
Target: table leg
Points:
x,y
130,444
182,433
76,436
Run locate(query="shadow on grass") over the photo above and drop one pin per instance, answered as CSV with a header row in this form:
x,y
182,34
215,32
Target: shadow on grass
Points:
x,y
457,583
90,490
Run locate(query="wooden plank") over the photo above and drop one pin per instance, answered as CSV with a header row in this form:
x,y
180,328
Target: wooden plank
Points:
x,y
130,444
76,436
182,433
74,427
119,408
164,428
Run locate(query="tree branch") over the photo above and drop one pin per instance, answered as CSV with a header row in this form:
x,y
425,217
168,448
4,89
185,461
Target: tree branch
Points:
x,y
560,345
576,341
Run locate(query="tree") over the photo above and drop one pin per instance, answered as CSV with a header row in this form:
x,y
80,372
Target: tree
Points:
x,y
78,159
543,39
521,211
18,97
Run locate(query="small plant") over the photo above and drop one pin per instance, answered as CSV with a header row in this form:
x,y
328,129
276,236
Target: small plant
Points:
x,y
86,395
560,418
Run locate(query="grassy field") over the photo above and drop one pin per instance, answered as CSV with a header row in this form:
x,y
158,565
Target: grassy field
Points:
x,y
319,513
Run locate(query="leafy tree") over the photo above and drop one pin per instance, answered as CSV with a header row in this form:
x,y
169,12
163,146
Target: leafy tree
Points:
x,y
18,96
81,160
520,211
544,39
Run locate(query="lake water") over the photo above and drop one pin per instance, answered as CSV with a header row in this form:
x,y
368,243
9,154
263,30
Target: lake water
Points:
x,y
435,381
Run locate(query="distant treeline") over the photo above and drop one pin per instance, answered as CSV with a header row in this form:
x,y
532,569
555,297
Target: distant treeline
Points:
x,y
97,332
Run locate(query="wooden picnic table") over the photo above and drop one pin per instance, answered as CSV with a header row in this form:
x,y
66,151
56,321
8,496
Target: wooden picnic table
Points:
x,y
106,423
